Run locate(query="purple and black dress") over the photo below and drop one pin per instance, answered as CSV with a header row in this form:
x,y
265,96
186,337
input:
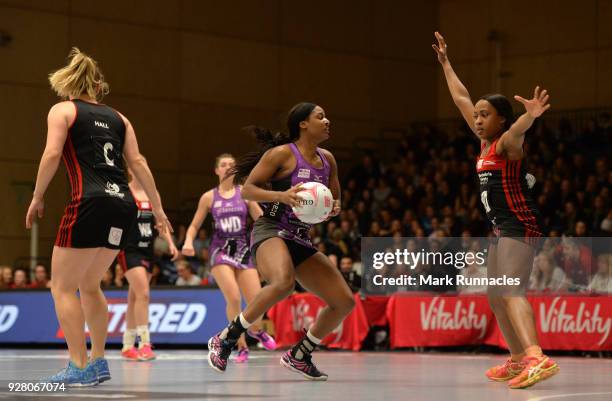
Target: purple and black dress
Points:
x,y
278,219
229,245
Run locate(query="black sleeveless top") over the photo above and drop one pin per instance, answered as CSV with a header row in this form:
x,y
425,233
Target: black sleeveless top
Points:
x,y
93,153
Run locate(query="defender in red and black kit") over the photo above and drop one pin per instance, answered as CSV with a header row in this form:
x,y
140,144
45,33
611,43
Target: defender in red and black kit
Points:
x,y
505,194
92,139
101,210
136,259
138,249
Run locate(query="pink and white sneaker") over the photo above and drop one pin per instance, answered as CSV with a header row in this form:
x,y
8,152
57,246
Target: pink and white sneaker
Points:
x,y
303,366
130,354
145,353
243,355
218,352
264,338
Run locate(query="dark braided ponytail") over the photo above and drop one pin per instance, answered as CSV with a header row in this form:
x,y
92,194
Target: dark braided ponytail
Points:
x,y
268,140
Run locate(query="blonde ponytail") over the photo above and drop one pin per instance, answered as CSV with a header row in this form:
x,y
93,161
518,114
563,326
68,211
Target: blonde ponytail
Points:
x,y
81,76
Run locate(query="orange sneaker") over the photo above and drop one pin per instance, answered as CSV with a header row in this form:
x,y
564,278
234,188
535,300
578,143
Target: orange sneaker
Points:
x,y
131,354
536,369
509,370
145,353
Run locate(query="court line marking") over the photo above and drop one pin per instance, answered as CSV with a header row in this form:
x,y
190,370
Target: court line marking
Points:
x,y
549,397
160,357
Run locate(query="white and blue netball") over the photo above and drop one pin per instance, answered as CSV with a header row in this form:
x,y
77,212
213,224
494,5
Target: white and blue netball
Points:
x,y
316,203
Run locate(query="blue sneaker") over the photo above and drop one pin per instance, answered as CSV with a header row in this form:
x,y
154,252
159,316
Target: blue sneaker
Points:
x,y
100,365
72,376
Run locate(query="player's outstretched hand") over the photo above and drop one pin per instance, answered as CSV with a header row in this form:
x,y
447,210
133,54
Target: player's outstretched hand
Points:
x,y
536,106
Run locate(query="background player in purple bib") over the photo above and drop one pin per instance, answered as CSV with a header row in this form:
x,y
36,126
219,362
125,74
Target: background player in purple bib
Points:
x,y
280,242
230,256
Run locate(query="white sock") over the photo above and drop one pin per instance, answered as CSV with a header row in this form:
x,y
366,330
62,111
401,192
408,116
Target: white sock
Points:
x,y
312,338
244,322
305,346
129,339
237,326
143,335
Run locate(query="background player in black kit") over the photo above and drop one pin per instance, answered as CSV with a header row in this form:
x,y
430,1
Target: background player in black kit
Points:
x,y
505,194
136,260
92,139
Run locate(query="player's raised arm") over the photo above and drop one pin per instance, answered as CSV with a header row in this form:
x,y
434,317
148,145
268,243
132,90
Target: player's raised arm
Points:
x,y
512,140
458,91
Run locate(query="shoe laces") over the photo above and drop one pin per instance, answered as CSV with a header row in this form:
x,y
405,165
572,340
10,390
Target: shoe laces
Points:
x,y
510,362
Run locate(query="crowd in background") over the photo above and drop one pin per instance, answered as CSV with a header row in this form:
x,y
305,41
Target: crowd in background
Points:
x,y
428,190
20,278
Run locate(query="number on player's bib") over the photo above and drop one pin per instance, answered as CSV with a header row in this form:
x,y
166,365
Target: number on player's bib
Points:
x,y
108,147
106,152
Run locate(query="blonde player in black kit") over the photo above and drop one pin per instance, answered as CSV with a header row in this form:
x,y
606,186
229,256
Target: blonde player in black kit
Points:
x,y
505,191
92,139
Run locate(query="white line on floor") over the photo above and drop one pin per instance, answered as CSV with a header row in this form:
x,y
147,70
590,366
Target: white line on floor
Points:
x,y
550,397
160,357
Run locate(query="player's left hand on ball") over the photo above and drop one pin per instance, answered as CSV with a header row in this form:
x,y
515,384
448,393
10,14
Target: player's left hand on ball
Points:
x,y
335,209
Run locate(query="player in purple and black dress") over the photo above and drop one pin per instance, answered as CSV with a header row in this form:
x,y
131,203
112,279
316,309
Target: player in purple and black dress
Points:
x,y
280,242
230,257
